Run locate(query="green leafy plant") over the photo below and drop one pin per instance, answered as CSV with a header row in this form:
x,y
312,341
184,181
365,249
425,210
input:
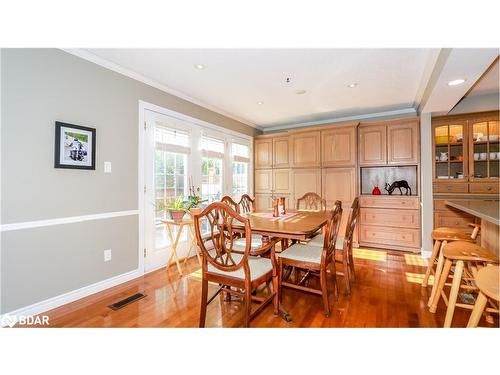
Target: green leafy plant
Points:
x,y
176,204
194,200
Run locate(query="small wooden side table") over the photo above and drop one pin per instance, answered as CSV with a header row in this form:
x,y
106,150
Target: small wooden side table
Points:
x,y
189,223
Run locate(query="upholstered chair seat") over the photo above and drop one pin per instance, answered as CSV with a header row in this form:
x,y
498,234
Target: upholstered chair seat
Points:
x,y
303,253
259,266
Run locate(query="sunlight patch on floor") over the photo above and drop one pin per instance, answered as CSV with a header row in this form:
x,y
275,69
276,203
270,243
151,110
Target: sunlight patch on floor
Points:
x,y
415,260
377,255
417,278
196,275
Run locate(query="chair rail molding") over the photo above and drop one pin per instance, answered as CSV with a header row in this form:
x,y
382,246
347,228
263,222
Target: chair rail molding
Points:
x,y
65,220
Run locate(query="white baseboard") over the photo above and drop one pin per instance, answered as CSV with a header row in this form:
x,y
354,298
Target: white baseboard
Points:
x,y
54,302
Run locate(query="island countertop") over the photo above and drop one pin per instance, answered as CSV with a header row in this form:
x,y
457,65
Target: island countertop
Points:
x,y
484,209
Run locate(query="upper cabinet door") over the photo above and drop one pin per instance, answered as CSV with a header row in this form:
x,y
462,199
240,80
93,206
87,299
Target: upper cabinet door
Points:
x,y
403,143
372,145
263,153
305,149
281,152
338,147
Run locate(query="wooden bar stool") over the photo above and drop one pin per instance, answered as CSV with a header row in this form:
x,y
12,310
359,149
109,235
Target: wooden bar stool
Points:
x,y
441,237
487,283
463,254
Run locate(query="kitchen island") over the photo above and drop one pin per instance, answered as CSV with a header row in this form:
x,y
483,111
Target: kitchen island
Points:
x,y
488,211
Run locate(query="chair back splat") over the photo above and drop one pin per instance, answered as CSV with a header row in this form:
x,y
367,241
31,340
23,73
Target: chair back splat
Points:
x,y
311,201
226,199
247,204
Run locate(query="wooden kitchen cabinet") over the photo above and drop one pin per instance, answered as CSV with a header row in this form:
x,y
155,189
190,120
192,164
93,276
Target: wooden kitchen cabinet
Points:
x,y
403,143
390,222
305,149
282,181
372,145
281,152
338,184
263,153
465,152
446,216
305,181
263,181
338,147
263,202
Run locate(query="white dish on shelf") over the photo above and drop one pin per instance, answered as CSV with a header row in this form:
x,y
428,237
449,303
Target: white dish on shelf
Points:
x,y
476,136
493,138
443,177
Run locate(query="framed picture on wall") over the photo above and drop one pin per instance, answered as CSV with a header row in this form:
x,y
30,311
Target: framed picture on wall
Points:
x,y
74,146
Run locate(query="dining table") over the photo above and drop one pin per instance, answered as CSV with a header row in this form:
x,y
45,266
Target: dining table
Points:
x,y
298,225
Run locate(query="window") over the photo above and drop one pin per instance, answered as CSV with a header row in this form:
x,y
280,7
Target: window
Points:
x,y
241,162
212,187
172,148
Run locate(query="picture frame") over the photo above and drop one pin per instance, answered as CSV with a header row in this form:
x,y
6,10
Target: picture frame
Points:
x,y
74,146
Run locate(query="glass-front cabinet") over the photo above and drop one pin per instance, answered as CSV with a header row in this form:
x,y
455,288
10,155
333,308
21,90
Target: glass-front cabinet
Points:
x,y
466,153
484,154
450,148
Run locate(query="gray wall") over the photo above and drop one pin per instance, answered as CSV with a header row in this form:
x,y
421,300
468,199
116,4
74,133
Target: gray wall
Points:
x,y
39,87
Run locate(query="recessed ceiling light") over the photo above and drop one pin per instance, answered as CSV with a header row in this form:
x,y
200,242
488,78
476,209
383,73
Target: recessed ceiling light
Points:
x,y
260,103
456,82
199,66
352,85
300,92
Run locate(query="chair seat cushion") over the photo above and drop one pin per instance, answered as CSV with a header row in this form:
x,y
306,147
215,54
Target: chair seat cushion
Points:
x,y
258,267
240,243
303,253
319,239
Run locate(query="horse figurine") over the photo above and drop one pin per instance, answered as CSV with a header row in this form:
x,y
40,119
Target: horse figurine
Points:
x,y
398,184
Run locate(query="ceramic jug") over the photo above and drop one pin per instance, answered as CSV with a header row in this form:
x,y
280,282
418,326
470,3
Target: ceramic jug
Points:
x,y
443,156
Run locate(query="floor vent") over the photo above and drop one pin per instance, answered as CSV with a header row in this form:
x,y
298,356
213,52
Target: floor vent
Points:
x,y
124,302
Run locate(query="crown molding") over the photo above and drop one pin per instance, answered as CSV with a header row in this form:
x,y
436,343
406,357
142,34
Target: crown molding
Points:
x,y
405,111
89,56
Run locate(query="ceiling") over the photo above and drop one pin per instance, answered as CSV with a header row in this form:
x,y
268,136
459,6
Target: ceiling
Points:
x,y
234,81
488,84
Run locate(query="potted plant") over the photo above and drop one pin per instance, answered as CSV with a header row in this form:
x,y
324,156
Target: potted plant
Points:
x,y
194,200
175,206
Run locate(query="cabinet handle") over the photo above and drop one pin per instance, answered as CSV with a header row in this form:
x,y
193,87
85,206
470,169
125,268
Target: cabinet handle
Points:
x,y
489,188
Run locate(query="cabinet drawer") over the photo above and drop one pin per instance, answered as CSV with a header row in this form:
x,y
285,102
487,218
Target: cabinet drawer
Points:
x,y
403,237
390,218
484,187
453,219
439,205
381,201
450,187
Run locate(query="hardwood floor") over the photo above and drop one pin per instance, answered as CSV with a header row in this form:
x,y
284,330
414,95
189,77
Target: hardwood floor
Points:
x,y
387,293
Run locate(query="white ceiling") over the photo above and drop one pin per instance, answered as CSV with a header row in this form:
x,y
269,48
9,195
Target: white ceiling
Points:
x,y
234,80
488,84
466,63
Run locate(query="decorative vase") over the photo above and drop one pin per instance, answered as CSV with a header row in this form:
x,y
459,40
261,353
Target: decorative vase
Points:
x,y
376,190
177,215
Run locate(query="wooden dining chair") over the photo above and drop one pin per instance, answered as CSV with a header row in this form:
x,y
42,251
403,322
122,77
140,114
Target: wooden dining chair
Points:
x,y
344,246
221,265
311,201
226,199
246,204
314,260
